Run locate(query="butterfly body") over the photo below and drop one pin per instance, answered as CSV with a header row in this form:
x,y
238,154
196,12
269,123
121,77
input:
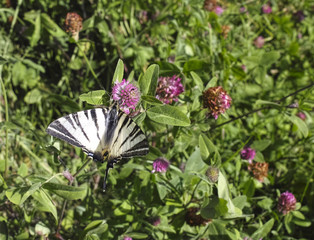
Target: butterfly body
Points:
x,y
105,134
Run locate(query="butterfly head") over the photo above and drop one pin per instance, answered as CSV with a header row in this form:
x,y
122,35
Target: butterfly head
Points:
x,y
105,153
100,156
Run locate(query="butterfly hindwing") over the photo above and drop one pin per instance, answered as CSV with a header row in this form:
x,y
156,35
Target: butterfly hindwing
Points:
x,y
129,140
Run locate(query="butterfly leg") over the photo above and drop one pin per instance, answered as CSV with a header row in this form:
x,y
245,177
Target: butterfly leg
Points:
x,y
61,161
109,165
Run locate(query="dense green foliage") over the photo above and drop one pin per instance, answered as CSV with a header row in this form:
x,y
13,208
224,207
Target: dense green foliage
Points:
x,y
45,74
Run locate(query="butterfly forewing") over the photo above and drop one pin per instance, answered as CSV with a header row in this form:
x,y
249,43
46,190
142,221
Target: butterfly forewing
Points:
x,y
100,129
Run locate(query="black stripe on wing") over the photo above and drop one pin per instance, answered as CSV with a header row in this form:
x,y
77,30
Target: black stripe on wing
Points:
x,y
56,129
68,118
136,130
78,123
95,120
140,149
112,120
125,122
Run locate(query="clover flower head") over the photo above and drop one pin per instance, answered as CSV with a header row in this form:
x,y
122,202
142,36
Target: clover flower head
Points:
x,y
126,94
248,153
216,100
68,176
259,170
259,42
299,16
210,5
127,238
266,9
212,173
169,88
286,203
225,30
301,115
182,166
243,10
194,219
73,24
160,165
293,105
143,16
219,10
156,221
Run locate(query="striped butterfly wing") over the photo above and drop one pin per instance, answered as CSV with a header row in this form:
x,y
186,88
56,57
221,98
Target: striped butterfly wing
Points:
x,y
129,140
101,130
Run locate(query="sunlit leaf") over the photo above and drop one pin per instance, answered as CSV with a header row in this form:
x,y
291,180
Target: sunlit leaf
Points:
x,y
302,127
168,69
137,235
20,195
36,34
45,203
263,230
42,229
194,162
260,145
118,74
93,97
223,192
193,65
169,115
67,192
197,80
96,227
269,58
148,81
51,26
151,100
34,96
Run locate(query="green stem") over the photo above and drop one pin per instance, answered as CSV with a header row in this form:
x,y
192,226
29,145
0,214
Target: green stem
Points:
x,y
47,181
66,201
6,159
88,64
6,164
82,167
192,196
306,186
264,108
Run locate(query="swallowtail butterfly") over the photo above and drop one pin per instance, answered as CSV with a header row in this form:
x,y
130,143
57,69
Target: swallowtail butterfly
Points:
x,y
104,134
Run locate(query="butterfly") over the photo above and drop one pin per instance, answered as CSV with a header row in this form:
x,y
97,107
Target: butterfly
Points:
x,y
104,134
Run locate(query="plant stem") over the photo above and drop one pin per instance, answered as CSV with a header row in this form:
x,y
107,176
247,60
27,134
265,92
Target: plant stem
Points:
x,y
296,92
244,115
6,163
89,65
192,196
263,108
6,159
82,167
66,201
